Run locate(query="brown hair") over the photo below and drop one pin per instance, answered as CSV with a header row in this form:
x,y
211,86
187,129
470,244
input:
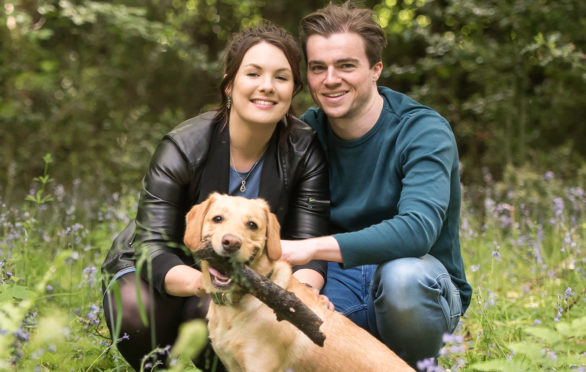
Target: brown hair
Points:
x,y
244,40
334,19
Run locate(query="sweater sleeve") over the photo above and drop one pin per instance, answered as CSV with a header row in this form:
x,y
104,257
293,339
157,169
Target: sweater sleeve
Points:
x,y
425,155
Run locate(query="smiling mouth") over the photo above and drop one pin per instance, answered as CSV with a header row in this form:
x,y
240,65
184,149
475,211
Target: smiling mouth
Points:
x,y
263,102
335,95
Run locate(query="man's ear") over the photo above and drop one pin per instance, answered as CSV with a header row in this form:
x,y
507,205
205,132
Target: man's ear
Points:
x,y
194,222
377,69
273,236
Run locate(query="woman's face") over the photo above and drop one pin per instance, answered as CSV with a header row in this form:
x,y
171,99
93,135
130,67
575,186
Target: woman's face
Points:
x,y
262,89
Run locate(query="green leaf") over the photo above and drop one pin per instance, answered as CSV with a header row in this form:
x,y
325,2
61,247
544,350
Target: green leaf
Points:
x,y
10,292
48,158
547,335
47,199
529,349
499,365
578,328
31,198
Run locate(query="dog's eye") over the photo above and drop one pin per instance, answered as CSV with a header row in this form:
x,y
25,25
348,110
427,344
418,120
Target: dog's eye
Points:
x,y
252,225
218,219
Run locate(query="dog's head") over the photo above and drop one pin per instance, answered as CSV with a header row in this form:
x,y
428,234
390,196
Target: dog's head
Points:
x,y
237,228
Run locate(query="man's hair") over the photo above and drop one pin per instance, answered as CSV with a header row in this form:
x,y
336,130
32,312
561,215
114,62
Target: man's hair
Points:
x,y
334,19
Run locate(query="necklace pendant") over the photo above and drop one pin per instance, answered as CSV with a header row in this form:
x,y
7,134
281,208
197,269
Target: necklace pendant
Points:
x,y
243,186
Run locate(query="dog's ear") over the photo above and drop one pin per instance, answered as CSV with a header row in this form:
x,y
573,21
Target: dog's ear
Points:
x,y
194,223
273,236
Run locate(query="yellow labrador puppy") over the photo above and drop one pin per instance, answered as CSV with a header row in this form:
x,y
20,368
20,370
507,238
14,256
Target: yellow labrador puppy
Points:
x,y
245,333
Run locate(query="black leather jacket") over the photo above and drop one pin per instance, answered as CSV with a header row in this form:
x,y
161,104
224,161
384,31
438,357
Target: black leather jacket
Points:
x,y
191,162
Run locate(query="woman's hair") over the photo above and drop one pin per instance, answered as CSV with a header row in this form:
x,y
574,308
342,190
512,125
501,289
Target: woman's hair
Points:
x,y
244,40
335,19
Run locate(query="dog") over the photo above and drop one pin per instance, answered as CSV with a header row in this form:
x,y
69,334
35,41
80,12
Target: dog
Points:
x,y
244,332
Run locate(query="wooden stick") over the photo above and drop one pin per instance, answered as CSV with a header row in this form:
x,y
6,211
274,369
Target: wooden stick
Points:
x,y
285,304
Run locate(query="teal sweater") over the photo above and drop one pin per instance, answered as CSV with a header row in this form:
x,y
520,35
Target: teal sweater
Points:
x,y
395,191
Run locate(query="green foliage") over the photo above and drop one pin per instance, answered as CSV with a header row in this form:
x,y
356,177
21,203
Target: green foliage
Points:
x,y
190,342
40,199
523,252
509,75
548,349
97,84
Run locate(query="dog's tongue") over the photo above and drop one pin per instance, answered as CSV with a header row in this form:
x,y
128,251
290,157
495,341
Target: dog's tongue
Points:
x,y
217,274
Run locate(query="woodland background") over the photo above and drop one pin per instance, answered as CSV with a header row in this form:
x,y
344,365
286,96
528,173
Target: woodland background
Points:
x,y
88,88
98,83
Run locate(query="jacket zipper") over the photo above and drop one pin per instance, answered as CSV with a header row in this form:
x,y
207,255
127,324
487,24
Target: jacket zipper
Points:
x,y
312,202
318,201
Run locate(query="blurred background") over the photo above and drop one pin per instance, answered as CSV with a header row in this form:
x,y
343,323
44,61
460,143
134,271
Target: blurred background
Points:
x,y
98,83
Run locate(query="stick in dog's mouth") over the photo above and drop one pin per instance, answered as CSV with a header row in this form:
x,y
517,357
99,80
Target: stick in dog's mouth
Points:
x,y
285,304
223,280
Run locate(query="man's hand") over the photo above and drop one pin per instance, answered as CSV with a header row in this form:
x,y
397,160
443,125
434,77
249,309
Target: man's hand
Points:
x,y
296,252
300,252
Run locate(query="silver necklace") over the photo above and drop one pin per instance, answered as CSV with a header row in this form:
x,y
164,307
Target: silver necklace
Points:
x,y
243,180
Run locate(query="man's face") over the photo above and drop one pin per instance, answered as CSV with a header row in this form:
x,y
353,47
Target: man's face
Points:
x,y
340,78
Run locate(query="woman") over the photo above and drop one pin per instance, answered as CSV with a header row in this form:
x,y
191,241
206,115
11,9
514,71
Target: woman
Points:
x,y
251,146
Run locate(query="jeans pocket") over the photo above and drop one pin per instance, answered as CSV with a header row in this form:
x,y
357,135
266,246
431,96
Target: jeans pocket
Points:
x,y
455,309
451,303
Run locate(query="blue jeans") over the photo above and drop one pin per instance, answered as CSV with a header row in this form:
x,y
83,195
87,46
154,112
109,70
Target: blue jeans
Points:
x,y
407,303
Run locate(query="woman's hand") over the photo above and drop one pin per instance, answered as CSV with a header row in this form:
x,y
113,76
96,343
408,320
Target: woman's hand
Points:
x,y
184,281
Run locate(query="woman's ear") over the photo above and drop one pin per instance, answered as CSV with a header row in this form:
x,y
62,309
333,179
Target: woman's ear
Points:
x,y
228,89
194,223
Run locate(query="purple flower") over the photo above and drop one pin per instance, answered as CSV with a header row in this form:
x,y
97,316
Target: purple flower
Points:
x,y
451,338
89,275
552,355
429,365
21,335
125,336
558,206
568,293
425,364
92,315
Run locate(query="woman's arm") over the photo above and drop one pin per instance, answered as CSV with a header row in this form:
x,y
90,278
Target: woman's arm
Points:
x,y
308,214
160,218
184,281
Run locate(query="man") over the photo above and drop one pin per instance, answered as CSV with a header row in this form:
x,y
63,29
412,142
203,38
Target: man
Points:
x,y
395,263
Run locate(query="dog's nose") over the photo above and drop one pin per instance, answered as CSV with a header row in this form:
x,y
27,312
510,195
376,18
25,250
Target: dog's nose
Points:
x,y
231,243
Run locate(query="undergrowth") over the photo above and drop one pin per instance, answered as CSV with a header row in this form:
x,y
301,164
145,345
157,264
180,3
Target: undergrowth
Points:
x,y
523,246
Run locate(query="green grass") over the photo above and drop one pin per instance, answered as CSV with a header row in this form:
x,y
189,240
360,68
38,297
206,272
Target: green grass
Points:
x,y
523,242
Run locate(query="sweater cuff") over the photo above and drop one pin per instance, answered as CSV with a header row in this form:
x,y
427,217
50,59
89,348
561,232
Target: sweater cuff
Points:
x,y
161,264
318,265
349,258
